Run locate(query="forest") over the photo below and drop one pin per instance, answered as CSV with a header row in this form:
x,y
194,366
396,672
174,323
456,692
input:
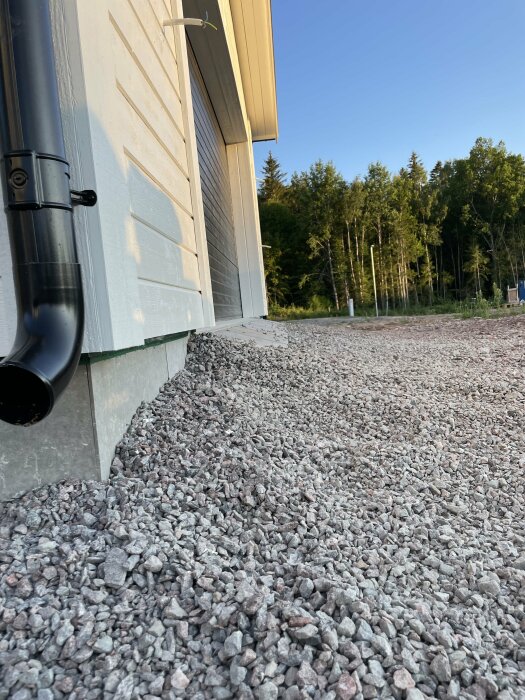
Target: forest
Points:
x,y
455,233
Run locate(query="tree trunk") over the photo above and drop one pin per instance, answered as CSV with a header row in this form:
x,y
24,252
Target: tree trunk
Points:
x,y
454,270
513,268
363,275
429,281
382,282
332,276
438,275
460,269
350,258
393,283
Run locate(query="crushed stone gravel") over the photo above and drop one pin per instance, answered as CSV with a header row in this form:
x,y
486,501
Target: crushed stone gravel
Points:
x,y
341,518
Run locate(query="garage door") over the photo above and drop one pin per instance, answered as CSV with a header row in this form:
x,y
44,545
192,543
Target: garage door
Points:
x,y
216,196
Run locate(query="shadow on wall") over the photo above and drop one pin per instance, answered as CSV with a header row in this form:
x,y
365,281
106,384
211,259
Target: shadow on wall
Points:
x,y
147,236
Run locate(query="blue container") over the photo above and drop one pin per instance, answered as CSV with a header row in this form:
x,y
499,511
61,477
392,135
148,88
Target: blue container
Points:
x,y
521,290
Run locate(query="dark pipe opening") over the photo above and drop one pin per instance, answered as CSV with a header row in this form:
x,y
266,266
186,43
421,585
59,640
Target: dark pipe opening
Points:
x,y
25,398
39,203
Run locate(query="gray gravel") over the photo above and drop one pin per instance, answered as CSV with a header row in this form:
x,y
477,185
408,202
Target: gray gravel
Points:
x,y
342,518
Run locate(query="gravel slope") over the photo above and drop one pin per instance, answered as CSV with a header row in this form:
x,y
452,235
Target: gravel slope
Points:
x,y
341,518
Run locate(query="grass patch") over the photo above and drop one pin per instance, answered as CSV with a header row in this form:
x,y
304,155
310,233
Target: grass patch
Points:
x,y
483,311
296,313
475,308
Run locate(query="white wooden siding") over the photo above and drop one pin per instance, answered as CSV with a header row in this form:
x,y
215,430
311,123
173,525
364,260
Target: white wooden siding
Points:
x,y
247,229
142,148
149,231
154,137
162,302
150,205
126,132
129,131
164,112
164,262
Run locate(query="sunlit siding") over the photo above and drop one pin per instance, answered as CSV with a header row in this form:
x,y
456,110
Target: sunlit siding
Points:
x,y
154,144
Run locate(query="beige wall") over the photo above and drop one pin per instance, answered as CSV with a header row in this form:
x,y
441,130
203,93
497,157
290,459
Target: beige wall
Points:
x,y
129,132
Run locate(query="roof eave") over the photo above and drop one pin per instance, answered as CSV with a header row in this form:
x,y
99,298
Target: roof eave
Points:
x,y
252,22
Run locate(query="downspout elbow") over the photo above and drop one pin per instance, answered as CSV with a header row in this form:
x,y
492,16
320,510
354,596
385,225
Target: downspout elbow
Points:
x,y
39,206
47,347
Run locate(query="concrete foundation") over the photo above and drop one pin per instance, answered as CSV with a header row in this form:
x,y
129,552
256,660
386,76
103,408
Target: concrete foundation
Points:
x,y
256,331
78,439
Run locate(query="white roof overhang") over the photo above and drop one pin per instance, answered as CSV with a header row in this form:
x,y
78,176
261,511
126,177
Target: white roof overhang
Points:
x,y
237,65
252,23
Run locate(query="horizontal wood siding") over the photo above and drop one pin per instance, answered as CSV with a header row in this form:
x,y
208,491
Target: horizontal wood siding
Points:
x,y
162,235
164,262
164,119
152,206
216,195
161,302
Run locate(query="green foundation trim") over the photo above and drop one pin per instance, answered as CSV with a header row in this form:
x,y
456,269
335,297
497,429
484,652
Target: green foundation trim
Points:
x,y
90,358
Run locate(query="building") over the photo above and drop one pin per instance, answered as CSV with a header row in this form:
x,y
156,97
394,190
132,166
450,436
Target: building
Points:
x,y
159,121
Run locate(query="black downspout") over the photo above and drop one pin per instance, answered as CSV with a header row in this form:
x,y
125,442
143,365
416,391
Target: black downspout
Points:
x,y
39,215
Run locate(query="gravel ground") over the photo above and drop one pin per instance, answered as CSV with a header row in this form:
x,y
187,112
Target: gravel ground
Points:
x,y
342,518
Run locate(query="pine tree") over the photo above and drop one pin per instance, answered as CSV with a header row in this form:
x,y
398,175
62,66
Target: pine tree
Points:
x,y
272,187
323,189
357,250
378,215
477,267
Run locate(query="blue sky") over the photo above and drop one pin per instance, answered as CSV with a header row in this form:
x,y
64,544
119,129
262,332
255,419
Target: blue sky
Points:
x,y
366,80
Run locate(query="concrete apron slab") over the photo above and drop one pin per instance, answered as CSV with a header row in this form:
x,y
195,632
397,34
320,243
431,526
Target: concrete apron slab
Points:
x,y
256,331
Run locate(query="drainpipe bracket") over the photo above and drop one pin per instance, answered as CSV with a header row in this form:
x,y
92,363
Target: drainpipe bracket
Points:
x,y
37,181
84,198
